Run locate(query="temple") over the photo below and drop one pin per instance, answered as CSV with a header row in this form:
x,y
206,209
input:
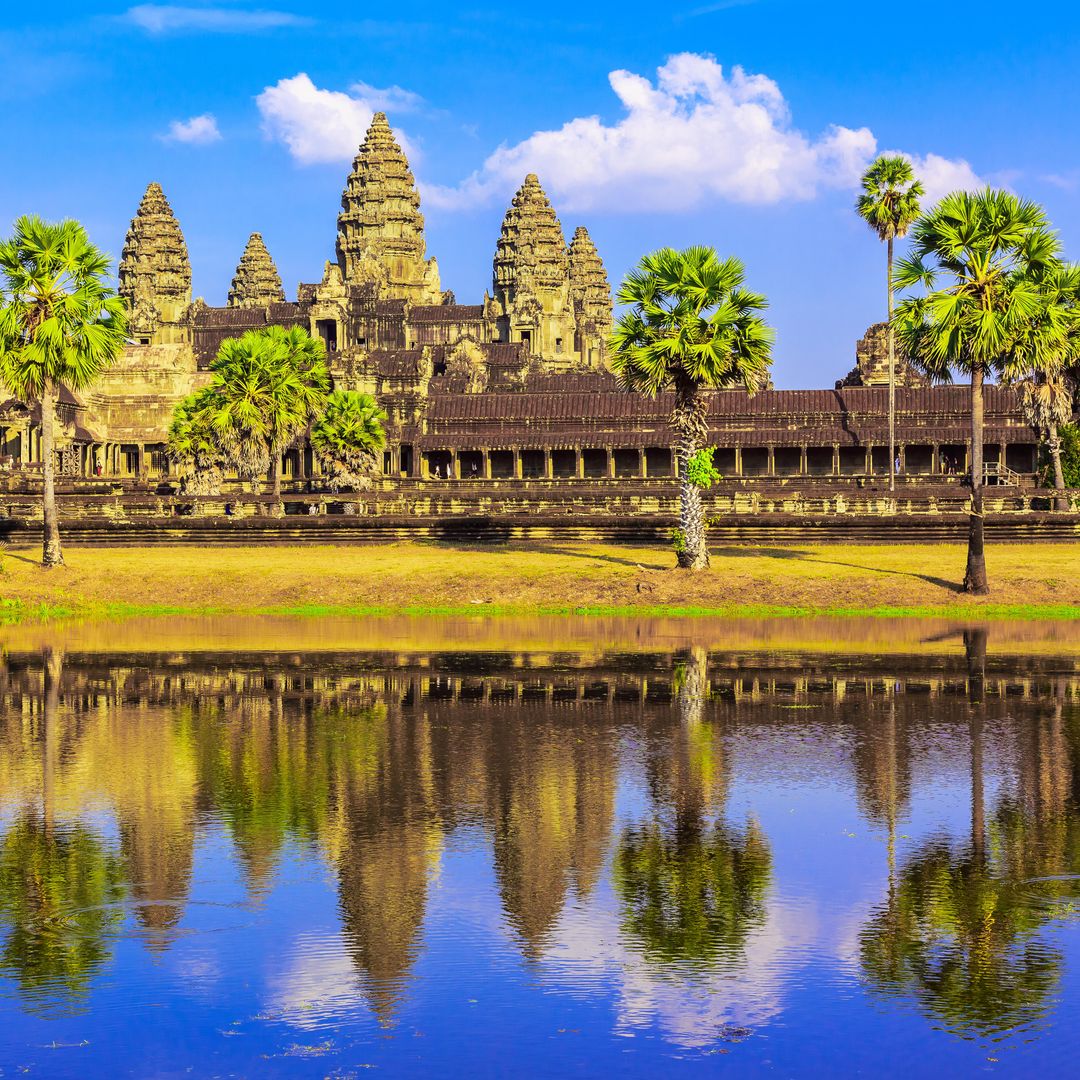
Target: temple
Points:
x,y
515,386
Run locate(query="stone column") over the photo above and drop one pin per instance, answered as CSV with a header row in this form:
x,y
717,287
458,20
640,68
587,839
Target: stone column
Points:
x,y
770,467
869,466
640,463
611,463
517,464
485,470
738,461
579,463
549,468
455,467
836,459
804,467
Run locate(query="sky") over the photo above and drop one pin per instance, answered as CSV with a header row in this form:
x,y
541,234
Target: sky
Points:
x,y
742,124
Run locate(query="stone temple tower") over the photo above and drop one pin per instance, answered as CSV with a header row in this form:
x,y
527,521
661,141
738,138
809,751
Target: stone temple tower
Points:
x,y
590,295
532,276
380,228
155,274
257,282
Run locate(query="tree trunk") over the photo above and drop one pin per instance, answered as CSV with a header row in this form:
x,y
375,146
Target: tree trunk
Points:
x,y
688,420
275,483
892,374
51,554
975,654
975,579
1053,442
52,668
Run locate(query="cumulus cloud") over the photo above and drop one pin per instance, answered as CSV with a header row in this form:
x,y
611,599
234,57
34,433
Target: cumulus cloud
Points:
x,y
940,175
696,134
198,131
320,126
169,18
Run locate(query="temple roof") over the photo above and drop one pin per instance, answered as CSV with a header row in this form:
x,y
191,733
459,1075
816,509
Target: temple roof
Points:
x,y
154,263
531,251
257,281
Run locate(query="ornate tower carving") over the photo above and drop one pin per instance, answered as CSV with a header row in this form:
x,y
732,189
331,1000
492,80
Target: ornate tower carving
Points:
x,y
532,275
591,297
257,282
155,274
380,227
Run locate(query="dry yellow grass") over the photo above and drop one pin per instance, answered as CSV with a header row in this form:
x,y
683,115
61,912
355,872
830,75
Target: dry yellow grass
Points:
x,y
555,577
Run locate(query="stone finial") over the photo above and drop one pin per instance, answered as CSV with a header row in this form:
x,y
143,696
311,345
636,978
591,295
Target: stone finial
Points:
x,y
380,217
588,278
257,282
531,251
154,269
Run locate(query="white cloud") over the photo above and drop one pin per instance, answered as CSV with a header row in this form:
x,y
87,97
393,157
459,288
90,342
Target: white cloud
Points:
x,y
696,135
169,18
198,131
941,175
390,99
320,126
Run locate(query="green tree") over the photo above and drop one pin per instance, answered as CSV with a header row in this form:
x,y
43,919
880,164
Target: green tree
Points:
x,y
348,438
267,387
889,204
194,446
978,256
1043,364
60,325
691,326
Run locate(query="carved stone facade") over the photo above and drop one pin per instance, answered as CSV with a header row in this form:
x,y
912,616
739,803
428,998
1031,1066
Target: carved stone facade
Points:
x,y
155,274
872,362
257,282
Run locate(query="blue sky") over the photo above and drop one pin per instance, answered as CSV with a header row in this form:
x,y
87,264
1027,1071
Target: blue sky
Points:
x,y
741,124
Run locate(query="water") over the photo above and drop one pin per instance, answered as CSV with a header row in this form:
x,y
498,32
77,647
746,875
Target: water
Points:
x,y
545,848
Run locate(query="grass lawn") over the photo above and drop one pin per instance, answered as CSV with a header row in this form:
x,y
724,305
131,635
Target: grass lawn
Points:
x,y
1029,580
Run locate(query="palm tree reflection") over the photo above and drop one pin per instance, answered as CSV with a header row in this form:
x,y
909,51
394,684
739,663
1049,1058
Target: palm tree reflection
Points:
x,y
690,890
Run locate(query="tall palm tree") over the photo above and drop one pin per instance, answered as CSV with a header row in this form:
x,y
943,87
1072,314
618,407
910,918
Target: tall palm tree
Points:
x,y
193,445
889,204
978,255
60,325
691,326
347,438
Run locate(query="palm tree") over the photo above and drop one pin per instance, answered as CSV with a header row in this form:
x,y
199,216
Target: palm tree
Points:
x,y
60,325
348,437
691,327
889,204
1042,364
979,256
267,388
193,445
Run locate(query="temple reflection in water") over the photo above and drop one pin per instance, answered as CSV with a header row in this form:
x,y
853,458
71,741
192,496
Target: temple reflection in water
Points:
x,y
610,798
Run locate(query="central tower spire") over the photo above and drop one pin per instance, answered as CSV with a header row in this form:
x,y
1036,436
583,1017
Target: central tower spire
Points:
x,y
380,228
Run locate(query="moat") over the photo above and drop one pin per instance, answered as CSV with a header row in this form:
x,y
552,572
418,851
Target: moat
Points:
x,y
286,847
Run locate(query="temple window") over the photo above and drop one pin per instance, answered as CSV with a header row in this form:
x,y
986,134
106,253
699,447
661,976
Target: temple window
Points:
x,y
658,461
723,460
787,461
755,461
502,464
627,463
594,462
563,463
526,337
558,344
532,463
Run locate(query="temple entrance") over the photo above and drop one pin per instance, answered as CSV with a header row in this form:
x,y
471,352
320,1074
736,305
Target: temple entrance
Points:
x,y
471,463
594,463
755,461
852,460
819,461
787,461
627,463
327,330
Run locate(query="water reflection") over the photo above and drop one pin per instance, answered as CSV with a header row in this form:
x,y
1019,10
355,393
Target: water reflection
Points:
x,y
630,798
